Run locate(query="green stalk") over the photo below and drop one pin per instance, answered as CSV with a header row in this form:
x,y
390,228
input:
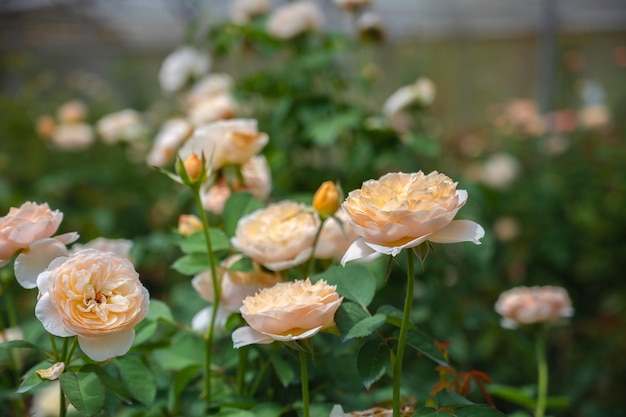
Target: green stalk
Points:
x,y
304,376
404,329
542,373
216,295
309,269
62,403
241,369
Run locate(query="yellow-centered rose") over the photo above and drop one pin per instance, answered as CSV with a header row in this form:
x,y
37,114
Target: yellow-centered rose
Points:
x,y
402,210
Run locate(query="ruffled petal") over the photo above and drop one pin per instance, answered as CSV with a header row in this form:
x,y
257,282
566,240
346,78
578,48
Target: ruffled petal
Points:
x,y
105,347
30,263
290,337
245,336
459,231
395,250
67,238
359,251
49,316
202,320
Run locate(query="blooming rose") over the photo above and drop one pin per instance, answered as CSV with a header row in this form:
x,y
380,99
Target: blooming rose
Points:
x,y
125,125
72,137
401,210
257,181
279,236
295,18
421,92
287,311
227,142
182,65
235,286
24,225
74,111
244,11
168,140
500,170
96,296
188,224
215,84
213,108
120,247
528,305
336,237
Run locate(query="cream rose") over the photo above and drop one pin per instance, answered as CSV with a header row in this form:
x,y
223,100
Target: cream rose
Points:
x,y
96,296
336,237
24,225
279,236
295,18
213,108
173,133
226,142
528,305
121,247
125,125
72,137
287,311
401,210
180,66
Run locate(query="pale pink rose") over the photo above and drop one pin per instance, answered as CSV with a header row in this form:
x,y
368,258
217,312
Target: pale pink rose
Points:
x,y
336,237
279,236
72,137
529,305
287,311
188,224
213,108
209,86
421,92
96,296
226,142
402,210
181,66
244,11
258,182
295,18
500,170
523,114
24,225
121,126
120,247
351,5
74,111
594,116
173,133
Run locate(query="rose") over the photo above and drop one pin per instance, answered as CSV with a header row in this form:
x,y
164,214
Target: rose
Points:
x,y
235,286
335,238
421,92
279,236
74,137
24,225
528,305
215,84
96,296
213,108
244,11
120,247
287,311
401,210
327,199
125,125
292,19
180,66
226,142
170,137
74,111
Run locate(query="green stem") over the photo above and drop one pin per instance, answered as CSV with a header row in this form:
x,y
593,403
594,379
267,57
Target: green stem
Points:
x,y
259,378
404,329
62,403
241,369
309,269
304,376
216,295
68,358
55,349
542,371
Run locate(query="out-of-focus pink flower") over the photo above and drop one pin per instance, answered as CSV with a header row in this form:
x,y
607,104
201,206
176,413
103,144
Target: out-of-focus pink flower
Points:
x,y
530,305
500,170
121,126
182,66
173,133
74,111
188,224
72,137
295,18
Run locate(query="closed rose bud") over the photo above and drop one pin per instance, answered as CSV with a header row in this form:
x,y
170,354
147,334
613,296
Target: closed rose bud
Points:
x,y
327,199
193,167
188,224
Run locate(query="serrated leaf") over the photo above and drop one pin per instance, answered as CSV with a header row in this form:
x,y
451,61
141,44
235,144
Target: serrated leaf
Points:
x,y
354,282
196,243
284,371
107,380
31,379
429,412
447,398
372,362
192,264
366,326
84,391
478,411
423,343
138,378
348,315
393,315
237,206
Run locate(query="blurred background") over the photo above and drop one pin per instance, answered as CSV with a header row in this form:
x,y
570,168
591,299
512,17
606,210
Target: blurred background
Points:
x,y
529,117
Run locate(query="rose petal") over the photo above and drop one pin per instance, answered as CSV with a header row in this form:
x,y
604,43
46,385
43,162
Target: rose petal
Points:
x,y
359,251
30,263
105,347
245,336
47,313
459,231
202,320
290,337
67,238
394,250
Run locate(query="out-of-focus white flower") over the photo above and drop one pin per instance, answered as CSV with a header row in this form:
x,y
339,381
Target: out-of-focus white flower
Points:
x,y
121,126
529,305
370,27
47,401
506,228
500,170
351,5
213,108
594,117
421,92
168,140
73,137
11,333
295,18
74,111
121,247
216,84
181,66
244,11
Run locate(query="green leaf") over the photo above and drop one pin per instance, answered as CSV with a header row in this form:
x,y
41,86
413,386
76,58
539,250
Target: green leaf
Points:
x,y
423,343
354,282
138,378
234,412
285,372
267,410
144,331
159,310
192,264
424,146
181,380
512,394
478,411
429,412
21,344
393,315
451,399
365,327
183,353
237,206
325,132
31,379
107,380
348,315
196,243
372,362
84,391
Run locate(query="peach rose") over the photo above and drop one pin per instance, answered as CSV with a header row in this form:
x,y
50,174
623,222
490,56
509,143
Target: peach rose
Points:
x,y
120,247
401,210
226,142
72,137
528,305
182,65
287,311
74,111
173,133
336,237
96,296
215,84
125,125
279,236
295,18
24,225
188,224
213,108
